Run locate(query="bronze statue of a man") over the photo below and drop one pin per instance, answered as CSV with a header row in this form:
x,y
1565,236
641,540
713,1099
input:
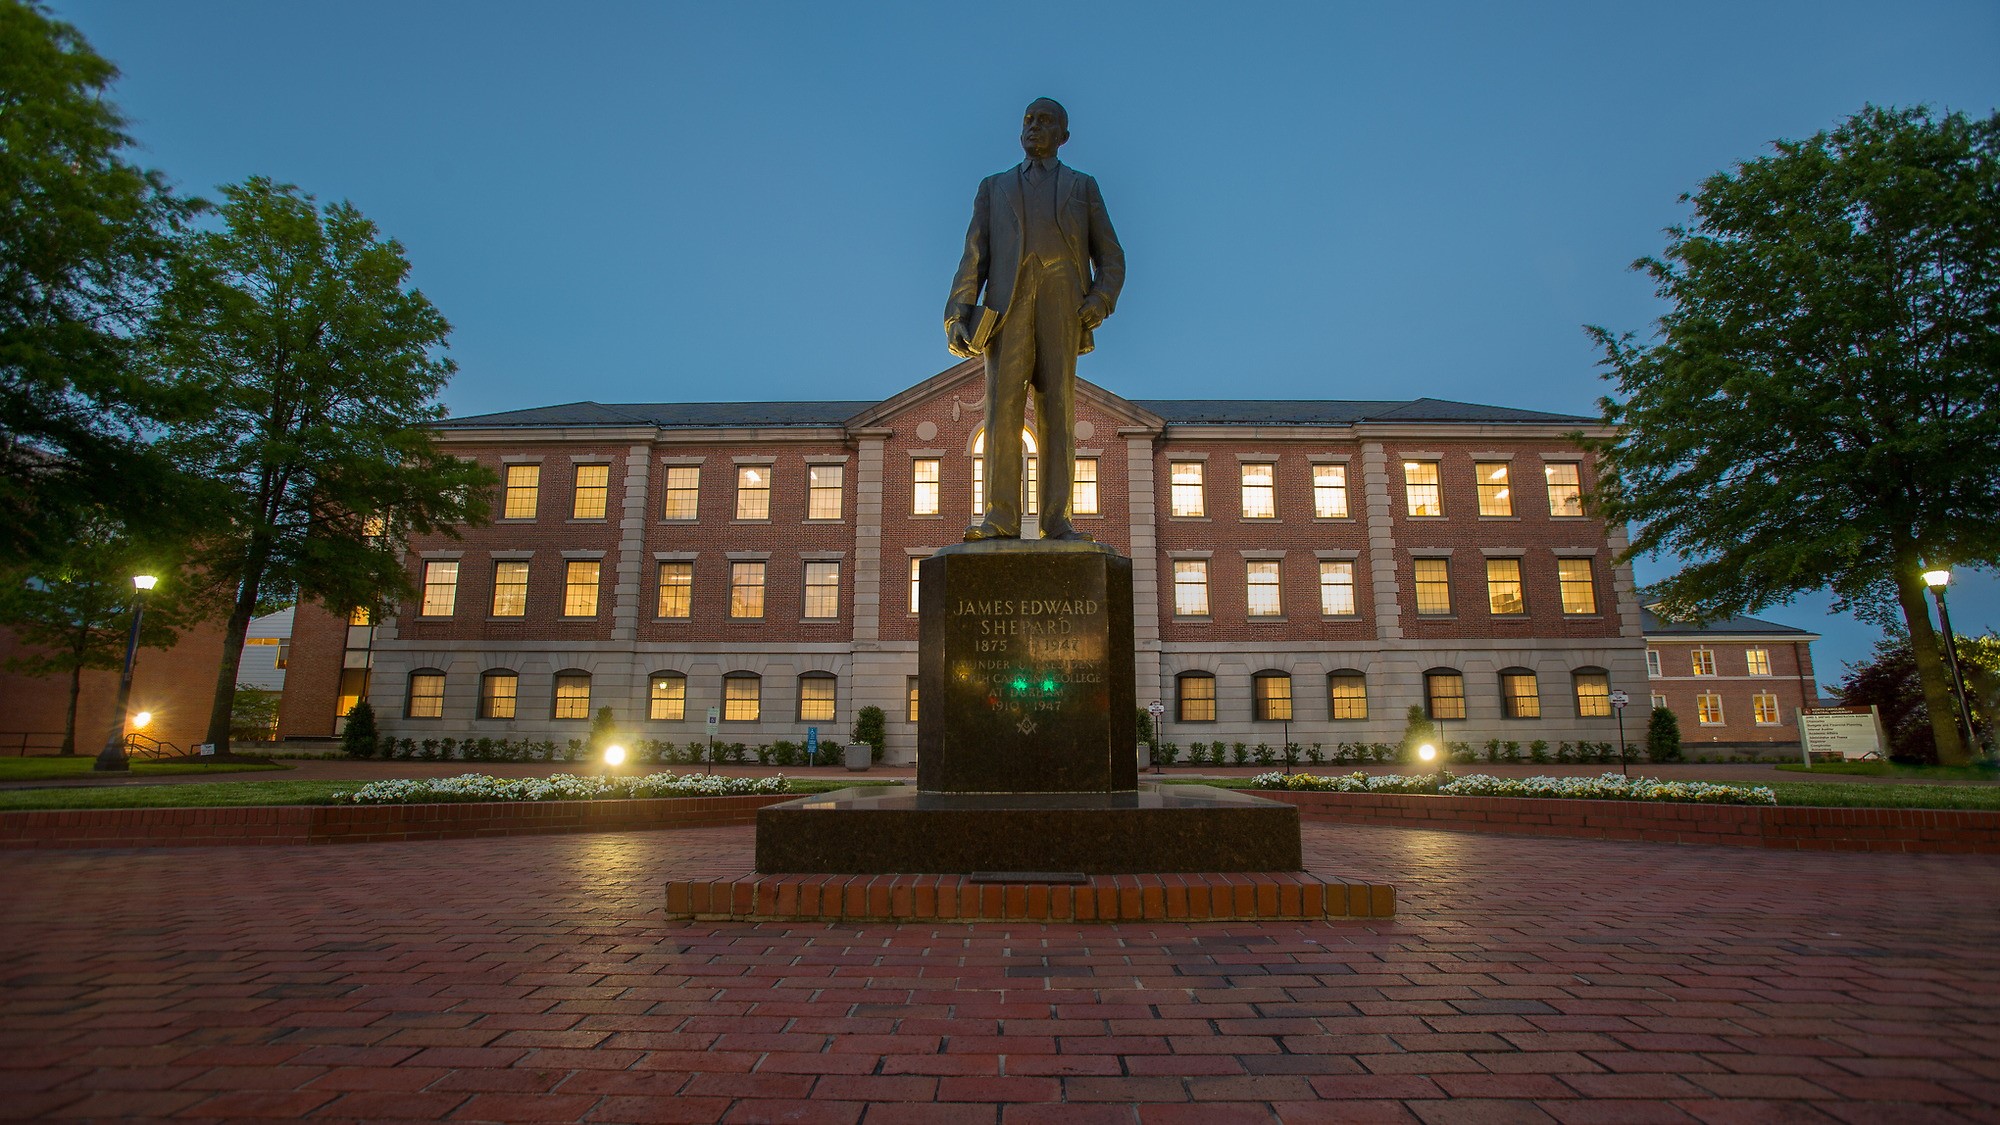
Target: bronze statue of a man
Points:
x,y
1041,270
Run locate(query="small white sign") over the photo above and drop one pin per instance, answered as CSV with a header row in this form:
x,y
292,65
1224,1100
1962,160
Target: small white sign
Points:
x,y
1156,708
714,718
1620,699
205,748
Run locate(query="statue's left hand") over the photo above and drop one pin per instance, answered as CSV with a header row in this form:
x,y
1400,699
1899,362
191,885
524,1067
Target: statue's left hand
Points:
x,y
1092,313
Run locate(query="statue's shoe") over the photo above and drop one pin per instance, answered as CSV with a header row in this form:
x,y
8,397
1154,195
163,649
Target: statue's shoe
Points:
x,y
1068,535
979,531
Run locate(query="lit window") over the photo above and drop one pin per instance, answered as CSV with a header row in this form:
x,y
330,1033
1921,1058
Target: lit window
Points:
x,y
1194,699
1336,589
1593,695
1444,695
1653,662
1503,587
742,698
1708,706
1520,695
353,689
1264,594
1659,700
1187,491
1347,695
1191,587
572,698
1031,483
683,492
1330,491
746,589
1766,706
284,651
1420,488
498,692
753,492
823,483
916,584
1433,578
1028,451
374,528
925,497
580,588
1579,585
524,492
816,698
1565,488
426,695
1259,503
668,698
1759,661
1495,498
1271,695
440,589
358,615
1083,487
593,489
910,697
510,588
1703,661
676,589
822,589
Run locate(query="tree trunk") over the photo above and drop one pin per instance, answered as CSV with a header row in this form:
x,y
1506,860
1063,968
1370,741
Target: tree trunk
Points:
x,y
69,714
232,654
1931,671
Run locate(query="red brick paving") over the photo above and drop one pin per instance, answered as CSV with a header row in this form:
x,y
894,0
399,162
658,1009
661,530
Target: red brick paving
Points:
x,y
534,978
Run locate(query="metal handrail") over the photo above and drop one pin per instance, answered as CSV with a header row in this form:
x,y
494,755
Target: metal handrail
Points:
x,y
17,743
139,745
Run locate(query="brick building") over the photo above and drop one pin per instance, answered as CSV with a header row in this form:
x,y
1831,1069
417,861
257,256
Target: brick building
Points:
x,y
1737,680
1322,563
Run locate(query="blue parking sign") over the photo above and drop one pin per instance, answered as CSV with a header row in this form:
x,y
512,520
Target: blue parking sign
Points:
x,y
812,745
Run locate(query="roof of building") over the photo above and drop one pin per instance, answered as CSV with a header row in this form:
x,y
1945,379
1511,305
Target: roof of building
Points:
x,y
1197,411
1653,625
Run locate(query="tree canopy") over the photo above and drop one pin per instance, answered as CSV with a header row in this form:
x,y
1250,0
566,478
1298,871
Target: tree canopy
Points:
x,y
82,235
1820,408
313,369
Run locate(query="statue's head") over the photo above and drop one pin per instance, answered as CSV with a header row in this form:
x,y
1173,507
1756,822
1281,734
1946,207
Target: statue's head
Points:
x,y
1044,128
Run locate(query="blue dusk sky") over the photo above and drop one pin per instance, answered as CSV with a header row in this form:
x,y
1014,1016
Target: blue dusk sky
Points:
x,y
633,202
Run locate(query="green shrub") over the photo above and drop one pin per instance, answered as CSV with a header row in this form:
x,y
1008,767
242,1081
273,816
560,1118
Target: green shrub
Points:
x,y
1492,749
1663,736
1510,751
1240,752
1538,750
784,754
1264,754
871,726
358,738
1314,754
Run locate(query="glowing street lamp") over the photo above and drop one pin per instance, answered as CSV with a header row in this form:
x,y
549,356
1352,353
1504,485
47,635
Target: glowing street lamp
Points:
x,y
1937,578
614,756
1429,753
111,759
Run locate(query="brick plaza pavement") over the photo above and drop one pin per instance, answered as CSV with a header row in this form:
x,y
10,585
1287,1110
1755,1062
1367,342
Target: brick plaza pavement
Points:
x,y
531,978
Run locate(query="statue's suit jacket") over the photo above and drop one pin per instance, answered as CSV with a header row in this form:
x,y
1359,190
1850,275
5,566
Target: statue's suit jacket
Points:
x,y
995,240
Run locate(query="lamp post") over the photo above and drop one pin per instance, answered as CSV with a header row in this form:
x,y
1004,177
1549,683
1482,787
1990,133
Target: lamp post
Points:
x,y
1937,579
111,759
1618,701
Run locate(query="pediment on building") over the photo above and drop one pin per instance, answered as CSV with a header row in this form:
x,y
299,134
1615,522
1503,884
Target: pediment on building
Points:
x,y
965,382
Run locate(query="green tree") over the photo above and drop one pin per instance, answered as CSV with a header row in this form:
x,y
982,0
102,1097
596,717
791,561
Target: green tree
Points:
x,y
82,233
1821,406
871,726
75,611
1663,736
1417,730
357,736
1889,682
603,731
314,370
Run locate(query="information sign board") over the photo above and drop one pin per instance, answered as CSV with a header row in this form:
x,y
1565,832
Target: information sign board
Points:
x,y
1851,732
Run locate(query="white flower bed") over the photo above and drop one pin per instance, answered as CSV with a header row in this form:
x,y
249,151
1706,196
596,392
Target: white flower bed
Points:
x,y
1610,786
560,787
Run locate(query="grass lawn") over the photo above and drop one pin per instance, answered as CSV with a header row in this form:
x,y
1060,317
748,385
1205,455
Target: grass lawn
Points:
x,y
1824,794
232,793
82,766
1894,769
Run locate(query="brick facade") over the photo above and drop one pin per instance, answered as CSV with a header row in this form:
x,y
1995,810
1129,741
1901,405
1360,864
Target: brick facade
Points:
x,y
1755,676
869,646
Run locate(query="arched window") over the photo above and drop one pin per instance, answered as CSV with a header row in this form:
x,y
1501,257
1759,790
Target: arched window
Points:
x,y
499,691
1271,695
1029,471
742,697
1593,693
426,698
667,699
572,695
1347,695
1444,693
1520,694
1194,698
816,697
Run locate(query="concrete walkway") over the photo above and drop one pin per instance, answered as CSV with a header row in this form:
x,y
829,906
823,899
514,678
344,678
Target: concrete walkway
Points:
x,y
532,978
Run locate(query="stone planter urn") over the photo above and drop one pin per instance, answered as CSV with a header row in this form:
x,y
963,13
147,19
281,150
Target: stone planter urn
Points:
x,y
857,755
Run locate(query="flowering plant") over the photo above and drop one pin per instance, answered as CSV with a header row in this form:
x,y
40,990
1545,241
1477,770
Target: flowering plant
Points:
x,y
560,787
1610,786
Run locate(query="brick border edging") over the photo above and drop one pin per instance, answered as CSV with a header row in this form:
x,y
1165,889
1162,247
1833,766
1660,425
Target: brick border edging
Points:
x,y
355,824
1799,828
1218,897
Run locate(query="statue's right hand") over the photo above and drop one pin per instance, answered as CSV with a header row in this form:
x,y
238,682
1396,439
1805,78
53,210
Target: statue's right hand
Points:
x,y
956,339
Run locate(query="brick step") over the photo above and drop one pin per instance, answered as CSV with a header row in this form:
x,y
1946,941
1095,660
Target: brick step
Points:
x,y
1232,896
